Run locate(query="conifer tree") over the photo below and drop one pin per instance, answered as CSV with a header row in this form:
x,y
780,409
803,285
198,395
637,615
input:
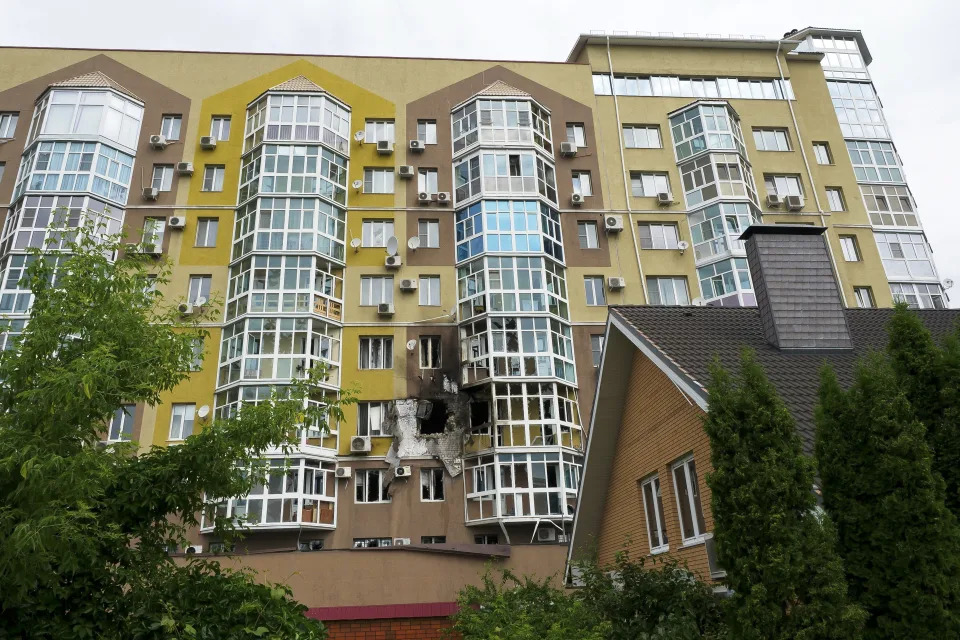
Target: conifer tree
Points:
x,y
776,546
898,541
930,377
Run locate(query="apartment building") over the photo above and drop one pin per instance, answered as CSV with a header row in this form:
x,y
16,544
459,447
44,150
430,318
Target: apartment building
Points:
x,y
447,235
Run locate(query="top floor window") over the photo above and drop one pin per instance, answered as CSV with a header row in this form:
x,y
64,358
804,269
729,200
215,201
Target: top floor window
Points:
x,y
309,118
92,113
501,122
637,85
170,127
379,130
858,109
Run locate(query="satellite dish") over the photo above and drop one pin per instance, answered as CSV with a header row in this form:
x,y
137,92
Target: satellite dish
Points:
x,y
203,411
414,243
359,136
948,283
683,245
411,345
357,184
200,301
355,243
699,302
392,245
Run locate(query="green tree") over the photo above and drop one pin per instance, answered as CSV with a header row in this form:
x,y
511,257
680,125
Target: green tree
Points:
x,y
642,602
84,527
776,547
898,541
523,608
929,375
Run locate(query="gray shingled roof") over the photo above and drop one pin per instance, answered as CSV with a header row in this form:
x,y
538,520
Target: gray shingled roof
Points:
x,y
690,337
95,79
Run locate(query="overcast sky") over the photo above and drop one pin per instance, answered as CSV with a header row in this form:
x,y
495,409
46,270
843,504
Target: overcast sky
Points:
x,y
916,62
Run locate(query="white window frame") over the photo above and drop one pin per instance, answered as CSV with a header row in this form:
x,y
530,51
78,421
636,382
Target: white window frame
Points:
x,y
162,177
429,291
377,130
428,180
220,128
649,183
864,297
375,233
642,136
378,180
371,285
153,230
656,508
821,151
8,124
771,139
597,340
361,479
582,183
124,428
198,349
370,415
678,285
430,349
213,177
170,126
577,134
372,543
835,199
584,234
662,235
428,231
695,501
181,414
783,185
595,290
850,248
383,359
207,229
431,478
427,131
199,287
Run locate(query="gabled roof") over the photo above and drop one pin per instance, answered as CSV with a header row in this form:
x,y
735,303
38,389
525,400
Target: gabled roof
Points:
x,y
300,84
95,80
501,88
682,342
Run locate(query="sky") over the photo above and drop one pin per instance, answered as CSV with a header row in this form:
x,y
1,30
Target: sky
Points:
x,y
915,61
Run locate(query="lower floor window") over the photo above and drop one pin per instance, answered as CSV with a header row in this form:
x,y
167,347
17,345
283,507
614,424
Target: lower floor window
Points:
x,y
668,290
486,538
918,295
431,485
653,511
181,421
687,488
372,543
370,486
433,539
864,297
121,427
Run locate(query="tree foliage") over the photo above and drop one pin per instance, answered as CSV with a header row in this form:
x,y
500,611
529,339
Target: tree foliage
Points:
x,y
777,549
898,541
84,527
929,375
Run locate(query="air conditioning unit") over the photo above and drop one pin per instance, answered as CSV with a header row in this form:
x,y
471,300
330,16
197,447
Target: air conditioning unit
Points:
x,y
417,145
384,147
185,308
185,168
401,542
613,224
342,472
568,149
576,199
360,444
194,548
404,472
664,198
150,193
393,262
773,200
406,171
177,222
794,203
443,197
546,534
423,196
385,309
615,283
158,141
208,142
408,284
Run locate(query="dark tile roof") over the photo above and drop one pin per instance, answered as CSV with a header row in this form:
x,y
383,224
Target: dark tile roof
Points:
x,y
690,337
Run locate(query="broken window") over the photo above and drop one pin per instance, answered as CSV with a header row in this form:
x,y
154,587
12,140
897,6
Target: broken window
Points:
x,y
371,543
433,416
431,485
433,539
370,486
429,352
479,413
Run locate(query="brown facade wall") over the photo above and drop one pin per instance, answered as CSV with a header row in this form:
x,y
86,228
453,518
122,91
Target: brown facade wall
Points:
x,y
659,426
391,629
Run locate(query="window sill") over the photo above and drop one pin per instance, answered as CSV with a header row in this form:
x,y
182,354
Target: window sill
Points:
x,y
660,550
693,542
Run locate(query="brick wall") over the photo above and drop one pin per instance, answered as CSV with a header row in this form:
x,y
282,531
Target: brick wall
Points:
x,y
390,629
659,426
